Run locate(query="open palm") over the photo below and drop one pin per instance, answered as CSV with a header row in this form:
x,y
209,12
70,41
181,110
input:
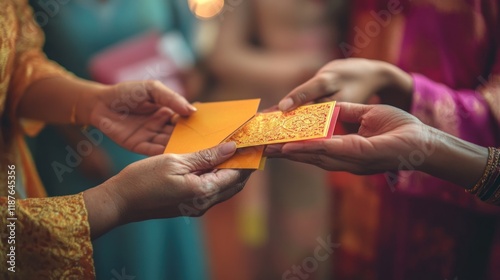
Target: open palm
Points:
x,y
385,135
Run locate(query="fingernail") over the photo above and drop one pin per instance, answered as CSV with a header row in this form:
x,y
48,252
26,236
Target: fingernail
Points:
x,y
192,108
228,148
285,104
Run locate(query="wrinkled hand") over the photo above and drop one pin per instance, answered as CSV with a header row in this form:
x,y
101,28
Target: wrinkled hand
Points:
x,y
353,80
138,115
159,186
385,133
164,186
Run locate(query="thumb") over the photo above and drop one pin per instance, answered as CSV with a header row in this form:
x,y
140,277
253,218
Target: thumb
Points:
x,y
209,158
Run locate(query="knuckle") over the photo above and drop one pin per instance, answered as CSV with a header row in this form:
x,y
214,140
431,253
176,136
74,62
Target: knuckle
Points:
x,y
324,77
154,84
301,97
327,81
207,157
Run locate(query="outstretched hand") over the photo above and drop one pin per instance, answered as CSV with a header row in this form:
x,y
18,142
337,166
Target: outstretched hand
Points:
x,y
385,133
353,80
164,186
138,115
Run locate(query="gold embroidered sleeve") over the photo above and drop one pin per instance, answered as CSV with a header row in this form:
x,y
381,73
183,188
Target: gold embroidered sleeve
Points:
x,y
30,63
51,239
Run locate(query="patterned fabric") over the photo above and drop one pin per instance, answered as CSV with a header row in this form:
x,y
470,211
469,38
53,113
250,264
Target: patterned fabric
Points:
x,y
52,239
52,234
22,63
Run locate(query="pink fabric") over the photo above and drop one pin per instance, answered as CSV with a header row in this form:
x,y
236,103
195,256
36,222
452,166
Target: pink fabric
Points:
x,y
454,56
457,52
428,228
454,53
452,49
464,113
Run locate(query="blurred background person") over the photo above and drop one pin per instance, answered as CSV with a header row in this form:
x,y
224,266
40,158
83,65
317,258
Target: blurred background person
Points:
x,y
77,31
446,71
263,49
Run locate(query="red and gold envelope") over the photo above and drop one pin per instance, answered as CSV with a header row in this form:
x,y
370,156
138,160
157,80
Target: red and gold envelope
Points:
x,y
304,123
238,121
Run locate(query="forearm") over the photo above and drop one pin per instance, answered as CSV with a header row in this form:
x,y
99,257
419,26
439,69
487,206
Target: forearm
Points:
x,y
453,159
60,100
397,86
104,213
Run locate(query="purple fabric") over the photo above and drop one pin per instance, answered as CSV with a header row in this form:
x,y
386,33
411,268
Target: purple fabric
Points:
x,y
463,113
453,52
454,56
428,228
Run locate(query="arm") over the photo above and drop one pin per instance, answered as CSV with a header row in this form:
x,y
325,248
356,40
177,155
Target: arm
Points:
x,y
448,160
388,137
470,114
458,112
136,115
353,80
51,236
56,232
163,186
29,64
66,100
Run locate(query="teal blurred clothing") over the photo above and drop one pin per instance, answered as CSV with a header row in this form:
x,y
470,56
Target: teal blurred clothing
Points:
x,y
75,31
82,28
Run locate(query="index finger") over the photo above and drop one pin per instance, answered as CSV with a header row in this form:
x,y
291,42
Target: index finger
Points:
x,y
319,86
227,182
164,96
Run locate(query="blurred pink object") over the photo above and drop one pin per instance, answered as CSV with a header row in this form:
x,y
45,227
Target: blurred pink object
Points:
x,y
149,56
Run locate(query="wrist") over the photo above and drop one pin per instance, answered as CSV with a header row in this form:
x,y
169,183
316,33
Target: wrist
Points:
x,y
454,160
104,209
396,87
85,105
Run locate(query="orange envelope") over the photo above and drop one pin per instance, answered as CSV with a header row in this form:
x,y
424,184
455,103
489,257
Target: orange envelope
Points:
x,y
211,125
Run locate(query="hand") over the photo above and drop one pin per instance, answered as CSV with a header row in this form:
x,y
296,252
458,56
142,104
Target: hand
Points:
x,y
164,186
385,134
138,115
353,80
390,139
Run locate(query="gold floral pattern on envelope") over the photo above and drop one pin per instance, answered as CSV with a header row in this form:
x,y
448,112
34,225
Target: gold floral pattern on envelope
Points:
x,y
303,123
